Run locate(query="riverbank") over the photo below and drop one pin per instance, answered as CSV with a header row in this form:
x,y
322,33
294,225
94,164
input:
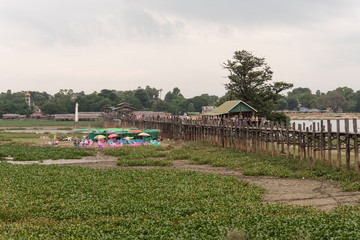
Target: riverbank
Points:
x,y
320,116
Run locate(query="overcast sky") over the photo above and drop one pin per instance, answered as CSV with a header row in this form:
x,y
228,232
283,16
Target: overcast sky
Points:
x,y
89,45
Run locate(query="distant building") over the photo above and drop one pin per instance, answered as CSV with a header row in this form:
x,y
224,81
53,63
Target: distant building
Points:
x,y
83,116
124,108
11,116
27,98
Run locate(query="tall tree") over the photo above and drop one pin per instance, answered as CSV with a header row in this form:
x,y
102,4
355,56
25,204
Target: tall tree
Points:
x,y
334,100
250,78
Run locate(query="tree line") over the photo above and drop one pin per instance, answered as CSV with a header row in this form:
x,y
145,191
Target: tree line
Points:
x,y
147,98
342,99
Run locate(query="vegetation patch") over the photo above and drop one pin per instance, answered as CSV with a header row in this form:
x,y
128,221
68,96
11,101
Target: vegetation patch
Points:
x,y
139,156
46,123
143,162
64,128
263,164
52,202
36,153
31,138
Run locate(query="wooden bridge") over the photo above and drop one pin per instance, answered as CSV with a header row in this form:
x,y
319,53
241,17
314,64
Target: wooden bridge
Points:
x,y
312,144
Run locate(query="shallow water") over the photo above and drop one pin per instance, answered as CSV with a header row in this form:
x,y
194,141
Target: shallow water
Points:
x,y
333,123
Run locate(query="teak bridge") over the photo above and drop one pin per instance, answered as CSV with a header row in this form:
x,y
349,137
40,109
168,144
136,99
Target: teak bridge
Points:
x,y
313,144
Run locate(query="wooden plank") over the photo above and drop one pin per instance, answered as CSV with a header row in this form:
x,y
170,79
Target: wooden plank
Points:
x,y
300,147
314,143
282,138
322,145
294,141
287,141
241,136
272,139
356,147
308,144
277,139
347,140
329,139
338,144
267,138
258,137
247,139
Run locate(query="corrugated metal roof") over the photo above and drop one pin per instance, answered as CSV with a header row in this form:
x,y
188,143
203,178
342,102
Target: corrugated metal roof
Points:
x,y
226,107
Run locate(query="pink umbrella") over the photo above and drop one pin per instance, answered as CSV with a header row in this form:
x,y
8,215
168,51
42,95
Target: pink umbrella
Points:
x,y
113,136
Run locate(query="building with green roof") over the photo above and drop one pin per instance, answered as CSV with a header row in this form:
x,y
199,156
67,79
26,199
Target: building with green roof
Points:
x,y
231,109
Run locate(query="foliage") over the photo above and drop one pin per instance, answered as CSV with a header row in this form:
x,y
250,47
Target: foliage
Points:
x,y
52,202
73,202
33,153
264,164
139,156
249,81
334,100
143,162
46,123
278,117
64,101
342,99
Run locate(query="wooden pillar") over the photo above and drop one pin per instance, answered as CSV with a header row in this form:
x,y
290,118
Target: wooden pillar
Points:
x,y
329,141
272,139
294,141
356,147
282,138
300,147
287,141
308,146
267,139
338,143
322,145
247,139
314,144
347,140
277,138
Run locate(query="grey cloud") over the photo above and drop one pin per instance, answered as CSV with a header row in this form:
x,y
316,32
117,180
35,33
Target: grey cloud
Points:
x,y
256,12
80,22
65,21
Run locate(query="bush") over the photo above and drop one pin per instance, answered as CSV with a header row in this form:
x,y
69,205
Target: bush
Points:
x,y
278,117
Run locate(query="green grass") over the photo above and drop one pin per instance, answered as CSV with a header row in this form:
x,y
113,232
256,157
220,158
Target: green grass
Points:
x,y
33,153
52,202
263,164
30,138
250,163
45,123
139,156
64,128
143,162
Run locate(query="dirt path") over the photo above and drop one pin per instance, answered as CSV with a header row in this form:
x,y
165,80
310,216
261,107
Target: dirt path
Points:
x,y
322,194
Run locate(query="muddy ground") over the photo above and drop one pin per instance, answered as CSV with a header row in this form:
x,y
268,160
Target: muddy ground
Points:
x,y
321,194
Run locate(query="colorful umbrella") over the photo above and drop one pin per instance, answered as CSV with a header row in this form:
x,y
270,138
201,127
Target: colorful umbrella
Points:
x,y
134,131
99,137
127,138
113,136
143,134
